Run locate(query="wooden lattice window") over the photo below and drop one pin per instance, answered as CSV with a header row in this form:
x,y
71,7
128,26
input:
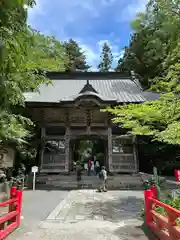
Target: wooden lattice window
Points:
x,y
122,146
54,147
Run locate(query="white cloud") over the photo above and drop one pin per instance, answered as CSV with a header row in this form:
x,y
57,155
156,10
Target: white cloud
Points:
x,y
91,55
130,10
54,18
68,11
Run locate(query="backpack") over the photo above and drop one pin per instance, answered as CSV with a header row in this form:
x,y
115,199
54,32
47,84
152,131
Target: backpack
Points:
x,y
101,175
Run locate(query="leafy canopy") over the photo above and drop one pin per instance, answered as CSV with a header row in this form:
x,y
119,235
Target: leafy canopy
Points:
x,y
153,53
22,53
76,59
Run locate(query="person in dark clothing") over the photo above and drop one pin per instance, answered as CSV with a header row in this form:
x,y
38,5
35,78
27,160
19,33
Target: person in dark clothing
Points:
x,y
97,167
78,171
89,165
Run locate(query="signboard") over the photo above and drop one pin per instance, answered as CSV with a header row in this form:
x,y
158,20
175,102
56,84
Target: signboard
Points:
x,y
34,169
177,175
155,171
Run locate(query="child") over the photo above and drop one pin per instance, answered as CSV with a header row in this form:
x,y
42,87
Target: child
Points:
x,y
103,180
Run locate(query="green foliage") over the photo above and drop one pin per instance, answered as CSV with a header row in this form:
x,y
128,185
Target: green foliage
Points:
x,y
106,59
76,59
153,53
46,53
23,52
159,119
154,46
84,147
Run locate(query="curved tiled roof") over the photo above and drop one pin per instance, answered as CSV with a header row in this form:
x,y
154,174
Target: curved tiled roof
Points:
x,y
122,90
106,86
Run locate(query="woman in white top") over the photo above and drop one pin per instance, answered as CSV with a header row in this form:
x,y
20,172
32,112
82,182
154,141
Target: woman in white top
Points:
x,y
92,166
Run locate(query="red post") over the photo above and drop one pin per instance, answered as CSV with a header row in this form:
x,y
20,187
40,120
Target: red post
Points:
x,y
154,192
177,175
171,222
13,193
148,204
19,206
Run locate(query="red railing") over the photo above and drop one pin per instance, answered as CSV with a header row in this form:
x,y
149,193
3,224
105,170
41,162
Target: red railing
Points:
x,y
163,226
11,221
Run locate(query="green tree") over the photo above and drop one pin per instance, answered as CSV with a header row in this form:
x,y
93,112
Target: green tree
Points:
x,y
106,59
156,48
76,59
46,53
22,54
148,45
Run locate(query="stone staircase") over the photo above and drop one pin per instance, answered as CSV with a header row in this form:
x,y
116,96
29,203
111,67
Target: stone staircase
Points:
x,y
68,182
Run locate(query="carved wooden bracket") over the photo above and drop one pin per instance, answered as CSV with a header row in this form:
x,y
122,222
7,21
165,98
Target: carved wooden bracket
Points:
x,y
88,116
67,117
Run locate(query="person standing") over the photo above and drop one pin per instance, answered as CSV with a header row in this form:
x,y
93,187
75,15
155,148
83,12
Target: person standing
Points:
x,y
103,180
97,167
89,166
92,166
78,171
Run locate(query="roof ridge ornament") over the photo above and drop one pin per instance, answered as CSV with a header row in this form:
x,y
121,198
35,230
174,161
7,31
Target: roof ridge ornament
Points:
x,y
88,88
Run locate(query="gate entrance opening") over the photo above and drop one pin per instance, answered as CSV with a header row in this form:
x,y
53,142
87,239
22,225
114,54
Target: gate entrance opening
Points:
x,y
82,147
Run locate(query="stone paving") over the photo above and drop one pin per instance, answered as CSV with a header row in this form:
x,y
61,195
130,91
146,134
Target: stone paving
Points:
x,y
36,207
87,214
90,205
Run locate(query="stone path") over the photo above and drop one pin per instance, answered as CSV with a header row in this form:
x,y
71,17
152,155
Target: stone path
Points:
x,y
86,214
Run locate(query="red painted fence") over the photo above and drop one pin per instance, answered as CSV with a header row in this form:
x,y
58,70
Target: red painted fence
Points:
x,y
11,221
164,227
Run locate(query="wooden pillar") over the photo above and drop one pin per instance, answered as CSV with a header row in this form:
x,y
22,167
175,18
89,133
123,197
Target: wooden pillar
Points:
x,y
109,133
135,155
67,141
43,133
67,148
110,149
41,113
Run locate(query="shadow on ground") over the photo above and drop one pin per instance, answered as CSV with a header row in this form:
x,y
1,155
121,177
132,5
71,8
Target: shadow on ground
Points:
x,y
114,210
131,233
117,210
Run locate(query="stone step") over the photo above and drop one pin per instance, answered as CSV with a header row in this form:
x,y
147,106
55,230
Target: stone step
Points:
x,y
94,182
90,186
59,177
119,181
124,182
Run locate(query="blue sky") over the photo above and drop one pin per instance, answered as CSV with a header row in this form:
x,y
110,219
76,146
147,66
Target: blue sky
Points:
x,y
89,22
